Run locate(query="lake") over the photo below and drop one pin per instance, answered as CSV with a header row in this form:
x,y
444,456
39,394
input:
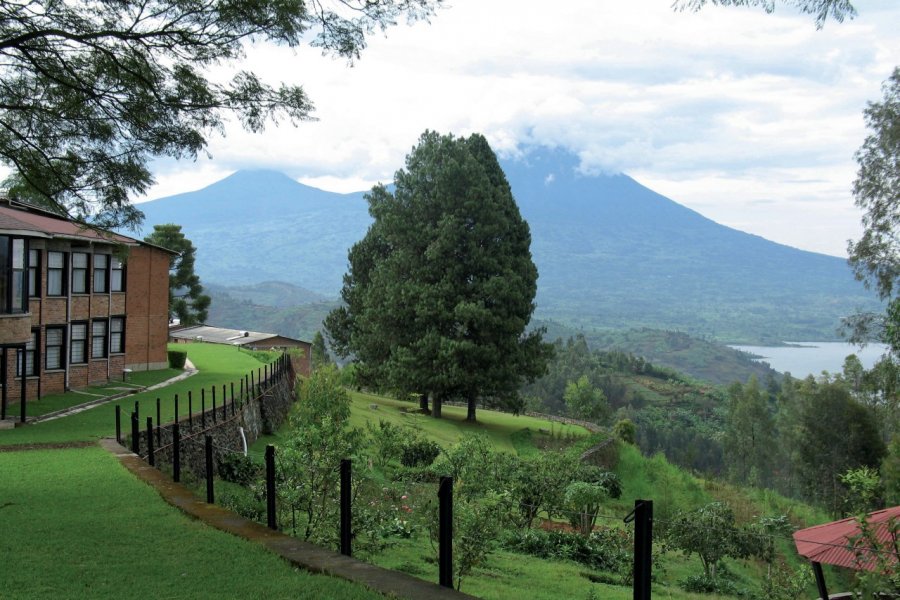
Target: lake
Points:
x,y
814,357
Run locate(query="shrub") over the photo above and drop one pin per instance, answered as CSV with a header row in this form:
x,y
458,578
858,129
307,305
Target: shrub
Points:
x,y
238,469
605,549
703,584
245,504
177,358
419,452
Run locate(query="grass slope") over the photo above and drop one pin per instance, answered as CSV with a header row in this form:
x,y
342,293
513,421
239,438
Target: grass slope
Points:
x,y
77,525
217,364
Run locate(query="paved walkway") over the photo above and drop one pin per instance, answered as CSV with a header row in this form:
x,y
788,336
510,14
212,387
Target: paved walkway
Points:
x,y
189,370
302,554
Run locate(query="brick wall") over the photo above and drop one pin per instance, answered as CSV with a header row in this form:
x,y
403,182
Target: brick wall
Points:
x,y
147,311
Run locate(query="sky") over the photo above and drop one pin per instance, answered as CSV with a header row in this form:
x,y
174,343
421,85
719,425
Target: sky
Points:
x,y
750,119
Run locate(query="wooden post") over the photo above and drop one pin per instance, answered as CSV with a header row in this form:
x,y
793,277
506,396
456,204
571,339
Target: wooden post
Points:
x,y
643,548
190,411
151,458
118,423
345,508
210,497
176,453
270,487
820,580
135,434
445,532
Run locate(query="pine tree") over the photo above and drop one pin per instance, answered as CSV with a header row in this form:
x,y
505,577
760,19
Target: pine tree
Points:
x,y
441,288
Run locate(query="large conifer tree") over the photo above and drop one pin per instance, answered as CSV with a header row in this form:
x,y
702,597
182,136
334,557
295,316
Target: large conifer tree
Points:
x,y
441,288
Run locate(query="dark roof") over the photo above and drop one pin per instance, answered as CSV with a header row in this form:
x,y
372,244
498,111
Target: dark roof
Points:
x,y
221,335
32,221
833,543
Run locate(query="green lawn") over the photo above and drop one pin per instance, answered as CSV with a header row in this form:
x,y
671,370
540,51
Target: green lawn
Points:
x,y
77,525
217,364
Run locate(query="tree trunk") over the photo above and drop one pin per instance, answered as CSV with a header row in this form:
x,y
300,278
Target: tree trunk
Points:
x,y
470,414
423,402
436,407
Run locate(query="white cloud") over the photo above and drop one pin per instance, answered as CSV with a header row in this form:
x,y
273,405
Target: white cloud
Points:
x,y
718,109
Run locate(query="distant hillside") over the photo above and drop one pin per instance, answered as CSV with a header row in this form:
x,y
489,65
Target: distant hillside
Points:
x,y
611,253
268,293
300,322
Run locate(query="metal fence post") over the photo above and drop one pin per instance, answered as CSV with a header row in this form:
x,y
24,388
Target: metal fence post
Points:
x,y
215,418
158,424
190,410
224,403
176,453
445,532
203,407
210,498
118,423
176,408
643,548
151,458
135,435
270,487
232,398
345,508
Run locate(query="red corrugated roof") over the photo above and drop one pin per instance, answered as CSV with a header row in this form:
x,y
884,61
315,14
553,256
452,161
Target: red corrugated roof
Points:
x,y
833,543
12,217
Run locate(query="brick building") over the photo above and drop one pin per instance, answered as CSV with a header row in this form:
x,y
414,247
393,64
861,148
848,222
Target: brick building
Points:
x,y
77,306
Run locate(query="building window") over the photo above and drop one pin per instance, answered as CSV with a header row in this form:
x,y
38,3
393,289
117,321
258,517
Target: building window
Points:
x,y
78,346
30,356
56,337
34,273
116,276
56,268
98,339
12,275
101,273
79,273
116,335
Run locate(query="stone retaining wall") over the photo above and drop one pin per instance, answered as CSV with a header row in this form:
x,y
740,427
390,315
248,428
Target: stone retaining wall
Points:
x,y
262,414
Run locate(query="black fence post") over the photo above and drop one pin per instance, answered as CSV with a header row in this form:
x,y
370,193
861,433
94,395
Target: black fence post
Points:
x,y
176,408
242,390
135,434
643,548
151,458
158,424
252,385
137,410
270,487
203,407
190,410
118,423
176,453
445,532
345,507
224,403
215,418
232,398
210,498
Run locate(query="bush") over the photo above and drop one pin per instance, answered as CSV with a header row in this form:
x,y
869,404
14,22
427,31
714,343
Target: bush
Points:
x,y
419,452
245,504
605,549
177,359
701,584
238,469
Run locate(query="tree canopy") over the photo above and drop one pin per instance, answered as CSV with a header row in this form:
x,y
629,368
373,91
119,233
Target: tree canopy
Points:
x,y
187,301
821,9
91,90
441,288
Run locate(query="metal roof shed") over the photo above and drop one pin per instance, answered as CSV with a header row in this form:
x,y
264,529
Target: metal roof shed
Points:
x,y
839,543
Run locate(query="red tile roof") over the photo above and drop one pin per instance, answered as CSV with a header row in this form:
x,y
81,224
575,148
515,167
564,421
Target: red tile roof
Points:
x,y
833,543
20,218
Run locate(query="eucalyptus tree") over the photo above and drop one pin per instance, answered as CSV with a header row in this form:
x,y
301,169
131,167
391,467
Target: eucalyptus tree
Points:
x,y
92,90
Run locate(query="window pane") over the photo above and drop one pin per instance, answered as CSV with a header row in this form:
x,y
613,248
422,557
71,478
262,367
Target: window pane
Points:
x,y
55,260
54,283
79,260
53,357
54,337
18,254
100,261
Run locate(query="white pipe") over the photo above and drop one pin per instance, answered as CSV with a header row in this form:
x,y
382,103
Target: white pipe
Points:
x,y
244,439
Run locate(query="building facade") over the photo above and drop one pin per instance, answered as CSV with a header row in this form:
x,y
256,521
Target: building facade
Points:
x,y
77,306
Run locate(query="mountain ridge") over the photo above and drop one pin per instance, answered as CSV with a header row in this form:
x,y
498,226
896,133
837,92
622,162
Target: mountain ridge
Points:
x,y
611,253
